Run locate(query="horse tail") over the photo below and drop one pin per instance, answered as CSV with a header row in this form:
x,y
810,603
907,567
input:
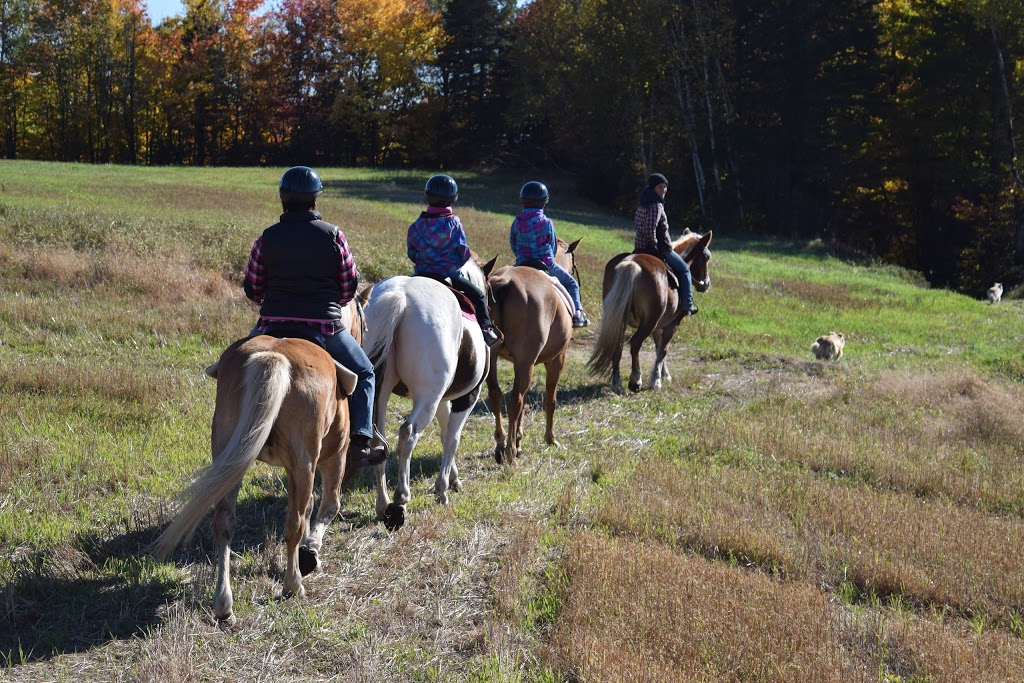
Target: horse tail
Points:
x,y
613,317
265,382
384,314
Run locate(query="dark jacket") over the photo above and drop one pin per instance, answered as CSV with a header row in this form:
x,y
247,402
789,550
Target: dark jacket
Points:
x,y
302,262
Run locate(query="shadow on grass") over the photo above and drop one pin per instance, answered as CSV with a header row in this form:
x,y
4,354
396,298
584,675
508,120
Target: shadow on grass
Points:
x,y
93,592
105,587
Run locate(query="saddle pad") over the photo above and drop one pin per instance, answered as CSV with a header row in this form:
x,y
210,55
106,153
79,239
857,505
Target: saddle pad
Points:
x,y
465,305
563,293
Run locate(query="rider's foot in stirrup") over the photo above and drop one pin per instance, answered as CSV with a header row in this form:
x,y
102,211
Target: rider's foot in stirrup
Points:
x,y
692,311
579,319
361,453
490,336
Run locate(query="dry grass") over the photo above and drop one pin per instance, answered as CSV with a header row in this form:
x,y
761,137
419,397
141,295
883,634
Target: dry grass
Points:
x,y
951,434
797,525
640,611
163,279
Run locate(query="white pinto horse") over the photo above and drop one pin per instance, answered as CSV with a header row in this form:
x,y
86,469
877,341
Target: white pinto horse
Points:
x,y
423,347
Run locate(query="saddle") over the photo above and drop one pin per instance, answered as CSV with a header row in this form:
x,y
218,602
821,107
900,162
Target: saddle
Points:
x,y
465,305
673,281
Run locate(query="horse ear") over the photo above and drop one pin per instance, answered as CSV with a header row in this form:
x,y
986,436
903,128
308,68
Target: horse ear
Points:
x,y
489,266
572,247
707,239
364,295
687,231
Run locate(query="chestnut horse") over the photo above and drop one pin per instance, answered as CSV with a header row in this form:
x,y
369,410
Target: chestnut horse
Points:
x,y
537,328
282,401
637,294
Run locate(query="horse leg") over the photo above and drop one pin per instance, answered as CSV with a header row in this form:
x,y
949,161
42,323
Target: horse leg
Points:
x,y
331,471
408,436
494,401
662,350
451,436
552,373
384,387
300,494
517,408
636,342
224,522
659,359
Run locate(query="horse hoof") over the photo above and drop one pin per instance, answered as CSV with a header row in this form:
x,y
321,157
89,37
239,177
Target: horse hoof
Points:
x,y
309,561
441,498
394,517
634,387
299,593
455,485
227,622
499,455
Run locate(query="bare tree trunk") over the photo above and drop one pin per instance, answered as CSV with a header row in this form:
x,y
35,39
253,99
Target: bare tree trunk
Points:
x,y
681,81
730,154
1018,208
712,141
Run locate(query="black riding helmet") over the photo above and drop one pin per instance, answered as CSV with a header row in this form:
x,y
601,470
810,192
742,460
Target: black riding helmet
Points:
x,y
534,193
441,190
300,184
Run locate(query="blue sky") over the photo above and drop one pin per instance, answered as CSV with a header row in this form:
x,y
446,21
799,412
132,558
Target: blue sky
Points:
x,y
161,9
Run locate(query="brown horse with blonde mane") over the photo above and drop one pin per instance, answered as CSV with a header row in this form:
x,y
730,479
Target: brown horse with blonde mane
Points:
x,y
282,401
537,326
637,294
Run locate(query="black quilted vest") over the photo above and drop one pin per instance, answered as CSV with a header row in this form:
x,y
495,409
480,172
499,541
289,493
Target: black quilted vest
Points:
x,y
301,267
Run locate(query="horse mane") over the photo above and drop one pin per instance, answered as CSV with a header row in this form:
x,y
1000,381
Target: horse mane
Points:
x,y
686,242
474,272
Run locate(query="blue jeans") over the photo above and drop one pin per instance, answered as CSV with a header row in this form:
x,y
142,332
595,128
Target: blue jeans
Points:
x,y
569,282
343,348
682,271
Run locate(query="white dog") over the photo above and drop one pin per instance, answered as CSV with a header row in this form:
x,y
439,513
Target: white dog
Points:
x,y
995,293
829,347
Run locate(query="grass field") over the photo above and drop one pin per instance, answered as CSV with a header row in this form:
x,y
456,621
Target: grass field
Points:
x,y
765,517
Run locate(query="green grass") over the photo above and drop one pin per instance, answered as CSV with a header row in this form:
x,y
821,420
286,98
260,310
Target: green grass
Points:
x,y
121,284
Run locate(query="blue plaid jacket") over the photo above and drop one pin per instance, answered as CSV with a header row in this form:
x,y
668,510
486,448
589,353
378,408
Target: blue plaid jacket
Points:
x,y
533,237
436,243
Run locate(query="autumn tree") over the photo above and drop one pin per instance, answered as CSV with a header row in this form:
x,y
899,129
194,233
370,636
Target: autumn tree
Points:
x,y
15,34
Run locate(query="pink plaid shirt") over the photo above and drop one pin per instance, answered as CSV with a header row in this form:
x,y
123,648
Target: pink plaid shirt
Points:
x,y
651,224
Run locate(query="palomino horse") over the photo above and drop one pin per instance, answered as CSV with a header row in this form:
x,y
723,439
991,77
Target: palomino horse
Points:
x,y
281,401
537,328
423,347
637,294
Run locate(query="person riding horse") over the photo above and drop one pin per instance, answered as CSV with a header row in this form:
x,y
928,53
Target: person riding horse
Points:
x,y
302,274
436,244
652,237
533,242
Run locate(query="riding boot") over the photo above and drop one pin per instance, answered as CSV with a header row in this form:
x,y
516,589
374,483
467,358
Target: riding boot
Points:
x,y
361,453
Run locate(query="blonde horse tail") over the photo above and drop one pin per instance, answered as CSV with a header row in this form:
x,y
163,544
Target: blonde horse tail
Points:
x,y
265,383
384,313
613,318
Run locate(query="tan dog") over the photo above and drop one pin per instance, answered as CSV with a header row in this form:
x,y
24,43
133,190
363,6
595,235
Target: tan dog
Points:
x,y
829,347
995,293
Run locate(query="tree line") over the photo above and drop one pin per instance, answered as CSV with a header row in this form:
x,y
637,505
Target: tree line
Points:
x,y
886,126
